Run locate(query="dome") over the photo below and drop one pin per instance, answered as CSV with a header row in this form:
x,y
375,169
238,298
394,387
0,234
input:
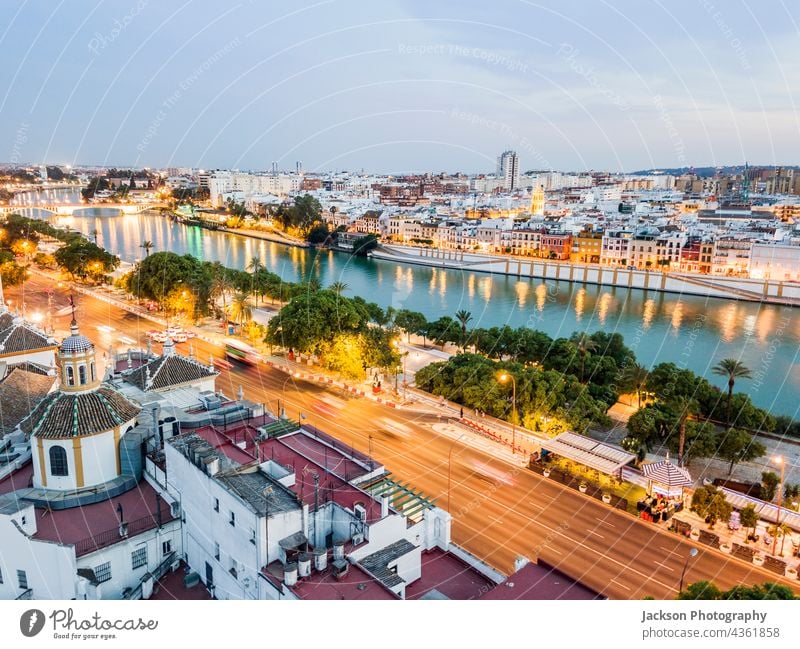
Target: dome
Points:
x,y
75,342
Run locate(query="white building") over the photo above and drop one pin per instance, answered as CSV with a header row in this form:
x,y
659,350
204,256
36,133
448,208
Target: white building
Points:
x,y
508,170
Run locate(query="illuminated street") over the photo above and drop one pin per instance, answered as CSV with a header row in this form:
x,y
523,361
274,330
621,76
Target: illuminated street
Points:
x,y
500,512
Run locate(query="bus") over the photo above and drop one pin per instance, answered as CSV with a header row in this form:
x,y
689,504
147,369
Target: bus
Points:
x,y
238,351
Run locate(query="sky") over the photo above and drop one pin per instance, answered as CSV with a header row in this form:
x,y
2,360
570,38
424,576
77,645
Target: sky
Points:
x,y
400,85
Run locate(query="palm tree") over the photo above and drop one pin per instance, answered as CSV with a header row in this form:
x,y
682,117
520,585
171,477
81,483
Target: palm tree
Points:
x,y
147,245
732,369
338,287
255,267
684,407
634,377
464,318
585,345
240,309
776,531
220,287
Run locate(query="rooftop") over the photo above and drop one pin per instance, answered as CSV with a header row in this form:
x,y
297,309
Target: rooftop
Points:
x,y
17,336
91,527
331,487
444,576
259,491
63,415
356,584
378,562
534,581
167,371
20,391
172,586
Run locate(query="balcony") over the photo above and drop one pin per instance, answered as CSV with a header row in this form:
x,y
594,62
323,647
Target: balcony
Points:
x,y
130,528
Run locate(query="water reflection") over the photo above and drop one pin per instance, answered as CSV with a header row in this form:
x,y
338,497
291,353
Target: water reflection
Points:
x,y
666,323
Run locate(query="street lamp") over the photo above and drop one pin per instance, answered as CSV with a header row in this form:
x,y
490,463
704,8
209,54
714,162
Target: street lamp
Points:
x,y
778,459
692,554
503,378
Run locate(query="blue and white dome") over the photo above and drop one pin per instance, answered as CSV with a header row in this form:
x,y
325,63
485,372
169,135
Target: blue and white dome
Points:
x,y
75,343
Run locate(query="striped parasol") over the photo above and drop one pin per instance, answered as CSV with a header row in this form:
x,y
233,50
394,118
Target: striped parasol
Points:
x,y
666,473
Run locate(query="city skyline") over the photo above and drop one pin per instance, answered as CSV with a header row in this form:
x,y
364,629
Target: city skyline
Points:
x,y
402,86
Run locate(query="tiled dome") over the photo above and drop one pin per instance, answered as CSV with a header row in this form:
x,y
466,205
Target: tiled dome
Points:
x,y
75,343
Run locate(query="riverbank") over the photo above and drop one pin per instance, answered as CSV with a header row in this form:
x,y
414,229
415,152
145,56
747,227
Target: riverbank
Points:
x,y
266,236
736,288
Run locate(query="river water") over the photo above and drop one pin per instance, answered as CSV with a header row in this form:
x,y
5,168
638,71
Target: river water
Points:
x,y
690,331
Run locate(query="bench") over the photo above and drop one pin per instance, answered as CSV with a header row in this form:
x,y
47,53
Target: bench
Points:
x,y
708,538
742,551
775,565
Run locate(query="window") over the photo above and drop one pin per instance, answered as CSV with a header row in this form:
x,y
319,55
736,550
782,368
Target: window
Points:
x,y
91,372
232,521
216,504
103,572
166,547
82,375
70,375
139,557
216,551
58,461
22,578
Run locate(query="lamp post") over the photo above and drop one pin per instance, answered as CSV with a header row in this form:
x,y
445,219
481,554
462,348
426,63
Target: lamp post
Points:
x,y
692,554
503,378
779,460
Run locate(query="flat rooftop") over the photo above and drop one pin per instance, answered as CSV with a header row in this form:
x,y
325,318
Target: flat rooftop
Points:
x,y
449,577
356,584
535,581
331,487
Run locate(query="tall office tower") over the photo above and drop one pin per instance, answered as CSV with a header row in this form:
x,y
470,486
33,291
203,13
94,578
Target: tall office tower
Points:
x,y
298,167
508,170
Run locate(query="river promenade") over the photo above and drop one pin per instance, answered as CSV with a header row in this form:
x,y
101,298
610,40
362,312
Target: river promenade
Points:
x,y
737,288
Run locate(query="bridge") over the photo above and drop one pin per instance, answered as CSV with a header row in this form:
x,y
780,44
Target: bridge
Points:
x,y
62,209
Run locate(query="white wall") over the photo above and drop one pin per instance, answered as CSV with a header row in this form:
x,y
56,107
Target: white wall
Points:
x,y
50,567
122,573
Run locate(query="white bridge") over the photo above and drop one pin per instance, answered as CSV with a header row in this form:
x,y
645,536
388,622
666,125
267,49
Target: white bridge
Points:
x,y
63,209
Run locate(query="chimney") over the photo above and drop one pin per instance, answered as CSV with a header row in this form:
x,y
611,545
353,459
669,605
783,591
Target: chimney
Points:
x,y
384,506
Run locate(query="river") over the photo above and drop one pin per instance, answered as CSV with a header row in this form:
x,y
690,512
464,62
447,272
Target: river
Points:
x,y
692,332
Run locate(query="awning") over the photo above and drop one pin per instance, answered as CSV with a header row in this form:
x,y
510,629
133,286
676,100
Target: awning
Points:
x,y
584,450
766,511
667,474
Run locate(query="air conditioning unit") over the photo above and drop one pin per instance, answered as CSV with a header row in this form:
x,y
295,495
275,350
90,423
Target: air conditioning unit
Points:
x,y
358,539
175,509
360,512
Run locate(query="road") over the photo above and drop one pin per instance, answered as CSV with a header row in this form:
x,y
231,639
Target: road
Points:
x,y
499,511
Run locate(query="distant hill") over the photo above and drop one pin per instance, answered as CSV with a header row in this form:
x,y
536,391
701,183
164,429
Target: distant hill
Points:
x,y
707,172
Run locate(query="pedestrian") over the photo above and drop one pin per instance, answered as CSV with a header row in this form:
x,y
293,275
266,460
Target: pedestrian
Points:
x,y
461,414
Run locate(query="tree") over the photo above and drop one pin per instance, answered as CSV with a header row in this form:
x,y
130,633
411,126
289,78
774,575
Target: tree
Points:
x,y
634,377
684,407
769,483
749,518
710,503
443,331
412,322
255,267
732,370
585,345
700,590
13,273
240,310
779,531
464,317
737,445
314,318
220,287
148,246
84,259
338,287
363,245
708,590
